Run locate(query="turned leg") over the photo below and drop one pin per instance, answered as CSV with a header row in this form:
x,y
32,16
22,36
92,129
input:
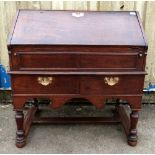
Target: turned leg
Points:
x,y
132,137
20,138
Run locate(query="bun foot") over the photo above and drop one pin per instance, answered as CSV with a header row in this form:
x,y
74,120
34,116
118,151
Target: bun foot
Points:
x,y
132,143
20,144
132,140
20,139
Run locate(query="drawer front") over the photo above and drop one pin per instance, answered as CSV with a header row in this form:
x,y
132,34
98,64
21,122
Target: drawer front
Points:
x,y
109,61
124,84
45,61
76,61
41,84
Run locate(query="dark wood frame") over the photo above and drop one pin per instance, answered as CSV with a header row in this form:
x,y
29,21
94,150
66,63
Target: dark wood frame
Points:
x,y
134,99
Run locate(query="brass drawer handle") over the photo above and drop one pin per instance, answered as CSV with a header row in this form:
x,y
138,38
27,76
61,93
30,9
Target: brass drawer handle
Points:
x,y
111,81
45,81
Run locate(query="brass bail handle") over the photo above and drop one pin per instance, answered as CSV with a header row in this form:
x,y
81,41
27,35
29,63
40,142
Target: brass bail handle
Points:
x,y
45,81
111,81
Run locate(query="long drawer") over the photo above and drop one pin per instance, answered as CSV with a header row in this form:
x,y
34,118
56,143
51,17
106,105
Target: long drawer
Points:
x,y
76,61
77,84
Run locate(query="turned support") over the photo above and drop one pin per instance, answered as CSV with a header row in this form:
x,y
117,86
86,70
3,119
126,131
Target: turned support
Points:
x,y
20,138
132,137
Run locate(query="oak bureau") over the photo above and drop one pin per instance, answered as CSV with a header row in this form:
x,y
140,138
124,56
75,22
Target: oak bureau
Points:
x,y
61,55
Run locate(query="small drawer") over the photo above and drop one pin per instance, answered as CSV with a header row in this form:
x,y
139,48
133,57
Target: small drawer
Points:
x,y
43,61
41,84
111,85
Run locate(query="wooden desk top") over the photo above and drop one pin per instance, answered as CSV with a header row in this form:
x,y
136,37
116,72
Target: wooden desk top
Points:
x,y
63,28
